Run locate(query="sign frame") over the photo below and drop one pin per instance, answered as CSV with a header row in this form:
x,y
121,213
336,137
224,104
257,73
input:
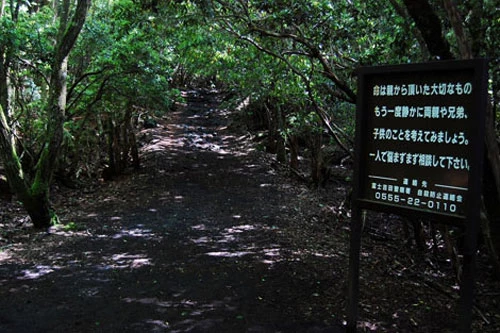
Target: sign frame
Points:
x,y
477,73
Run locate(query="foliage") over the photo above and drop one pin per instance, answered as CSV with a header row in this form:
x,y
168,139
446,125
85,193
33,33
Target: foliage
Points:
x,y
124,62
310,50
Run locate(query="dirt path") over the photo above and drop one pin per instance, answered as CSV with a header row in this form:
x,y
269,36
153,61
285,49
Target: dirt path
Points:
x,y
192,243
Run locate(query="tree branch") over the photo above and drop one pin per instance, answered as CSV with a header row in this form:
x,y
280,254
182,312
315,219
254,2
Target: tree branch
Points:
x,y
328,72
73,29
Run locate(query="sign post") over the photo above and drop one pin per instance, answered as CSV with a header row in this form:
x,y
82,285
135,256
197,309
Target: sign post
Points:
x,y
419,152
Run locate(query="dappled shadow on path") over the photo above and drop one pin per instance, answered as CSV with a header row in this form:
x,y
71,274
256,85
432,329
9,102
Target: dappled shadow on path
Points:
x,y
192,243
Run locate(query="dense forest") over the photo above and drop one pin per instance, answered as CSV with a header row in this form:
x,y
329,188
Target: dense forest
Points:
x,y
80,79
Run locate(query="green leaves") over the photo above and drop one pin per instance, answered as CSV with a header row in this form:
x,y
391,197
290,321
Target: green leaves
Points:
x,y
9,36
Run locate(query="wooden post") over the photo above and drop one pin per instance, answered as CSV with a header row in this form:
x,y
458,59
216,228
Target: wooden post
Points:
x,y
355,247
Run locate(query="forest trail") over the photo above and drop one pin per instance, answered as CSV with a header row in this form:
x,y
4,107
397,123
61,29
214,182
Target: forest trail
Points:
x,y
194,242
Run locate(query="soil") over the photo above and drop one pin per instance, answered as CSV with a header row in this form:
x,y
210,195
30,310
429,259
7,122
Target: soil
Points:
x,y
212,235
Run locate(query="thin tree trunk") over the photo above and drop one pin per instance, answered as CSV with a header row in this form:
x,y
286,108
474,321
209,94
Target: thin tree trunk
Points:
x,y
490,242
294,151
280,140
316,158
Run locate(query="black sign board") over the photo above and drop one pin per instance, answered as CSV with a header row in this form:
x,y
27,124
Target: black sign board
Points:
x,y
418,137
419,152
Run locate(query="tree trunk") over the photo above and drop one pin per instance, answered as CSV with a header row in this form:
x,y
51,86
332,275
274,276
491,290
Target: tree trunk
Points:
x,y
39,191
464,46
280,140
294,151
272,128
132,152
136,161
491,176
401,10
316,158
491,190
430,26
112,146
35,195
38,208
490,241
